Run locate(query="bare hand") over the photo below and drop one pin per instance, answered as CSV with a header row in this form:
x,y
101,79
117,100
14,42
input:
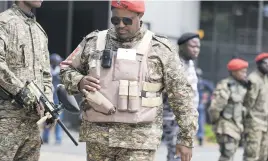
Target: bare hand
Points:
x,y
184,152
40,109
50,122
89,83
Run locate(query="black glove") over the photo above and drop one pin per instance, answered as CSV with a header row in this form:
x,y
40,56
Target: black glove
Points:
x,y
50,121
26,98
249,84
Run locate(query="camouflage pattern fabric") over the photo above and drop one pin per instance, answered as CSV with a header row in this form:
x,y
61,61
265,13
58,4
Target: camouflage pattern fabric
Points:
x,y
226,110
100,152
170,127
256,145
23,56
256,102
20,60
191,76
256,122
19,140
228,147
164,67
227,113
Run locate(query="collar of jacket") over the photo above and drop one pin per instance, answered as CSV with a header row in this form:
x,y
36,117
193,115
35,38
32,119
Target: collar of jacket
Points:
x,y
23,14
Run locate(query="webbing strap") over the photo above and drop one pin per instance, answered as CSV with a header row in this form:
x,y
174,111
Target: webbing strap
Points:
x,y
101,41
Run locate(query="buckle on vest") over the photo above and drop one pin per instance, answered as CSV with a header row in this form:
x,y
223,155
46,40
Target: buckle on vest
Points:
x,y
150,94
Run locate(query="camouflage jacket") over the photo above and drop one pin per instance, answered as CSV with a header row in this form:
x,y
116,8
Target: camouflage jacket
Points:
x,y
23,56
256,102
193,80
163,66
227,111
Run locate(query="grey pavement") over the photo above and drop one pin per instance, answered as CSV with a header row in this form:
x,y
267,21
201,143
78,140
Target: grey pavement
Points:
x,y
69,152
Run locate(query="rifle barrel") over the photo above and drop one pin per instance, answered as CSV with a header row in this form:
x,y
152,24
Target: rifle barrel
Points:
x,y
67,132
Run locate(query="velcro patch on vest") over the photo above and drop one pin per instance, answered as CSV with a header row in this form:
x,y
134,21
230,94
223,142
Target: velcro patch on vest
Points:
x,y
151,102
123,87
152,87
150,94
133,88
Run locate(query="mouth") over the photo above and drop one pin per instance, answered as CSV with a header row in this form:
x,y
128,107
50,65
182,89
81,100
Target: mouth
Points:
x,y
120,31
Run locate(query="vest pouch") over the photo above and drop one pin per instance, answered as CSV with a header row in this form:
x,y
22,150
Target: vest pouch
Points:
x,y
123,95
99,103
134,100
228,112
126,70
126,65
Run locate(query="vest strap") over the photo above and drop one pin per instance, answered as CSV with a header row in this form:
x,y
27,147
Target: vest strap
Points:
x,y
101,41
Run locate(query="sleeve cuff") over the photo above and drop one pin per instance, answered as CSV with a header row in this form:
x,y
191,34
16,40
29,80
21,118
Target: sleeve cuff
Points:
x,y
75,83
185,142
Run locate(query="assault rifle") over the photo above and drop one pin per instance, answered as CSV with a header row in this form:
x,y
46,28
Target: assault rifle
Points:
x,y
67,102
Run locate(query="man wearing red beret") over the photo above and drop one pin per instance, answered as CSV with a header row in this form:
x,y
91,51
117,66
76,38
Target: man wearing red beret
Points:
x,y
122,73
256,124
227,110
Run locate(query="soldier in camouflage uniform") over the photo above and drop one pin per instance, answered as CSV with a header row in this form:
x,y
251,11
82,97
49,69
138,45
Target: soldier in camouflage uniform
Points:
x,y
256,122
189,45
23,56
227,110
117,141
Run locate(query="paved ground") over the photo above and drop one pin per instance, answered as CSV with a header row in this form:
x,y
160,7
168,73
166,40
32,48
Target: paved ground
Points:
x,y
69,152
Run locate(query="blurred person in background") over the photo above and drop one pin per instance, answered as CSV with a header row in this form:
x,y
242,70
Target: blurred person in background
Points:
x,y
55,60
256,122
205,90
189,48
227,110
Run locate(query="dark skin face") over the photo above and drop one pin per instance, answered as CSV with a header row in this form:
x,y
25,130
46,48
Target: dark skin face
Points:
x,y
240,75
264,65
126,31
191,49
27,6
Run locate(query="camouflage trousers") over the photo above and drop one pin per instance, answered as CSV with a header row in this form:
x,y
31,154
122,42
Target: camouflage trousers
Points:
x,y
228,146
170,131
256,145
100,152
19,140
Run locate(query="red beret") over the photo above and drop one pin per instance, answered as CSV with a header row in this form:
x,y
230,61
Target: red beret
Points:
x,y
261,56
237,64
135,6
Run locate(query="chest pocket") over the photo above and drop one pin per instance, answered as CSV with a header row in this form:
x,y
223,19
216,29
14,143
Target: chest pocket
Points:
x,y
16,57
237,94
127,69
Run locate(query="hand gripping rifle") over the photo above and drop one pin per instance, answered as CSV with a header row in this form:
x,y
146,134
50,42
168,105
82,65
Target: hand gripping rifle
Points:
x,y
67,102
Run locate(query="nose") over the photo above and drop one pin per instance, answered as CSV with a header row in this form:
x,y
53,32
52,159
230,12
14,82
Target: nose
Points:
x,y
196,50
121,24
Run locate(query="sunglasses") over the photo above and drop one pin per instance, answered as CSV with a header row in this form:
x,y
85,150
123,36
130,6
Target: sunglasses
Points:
x,y
126,20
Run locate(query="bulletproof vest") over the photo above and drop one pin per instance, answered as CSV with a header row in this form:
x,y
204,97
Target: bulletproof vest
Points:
x,y
234,110
125,95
